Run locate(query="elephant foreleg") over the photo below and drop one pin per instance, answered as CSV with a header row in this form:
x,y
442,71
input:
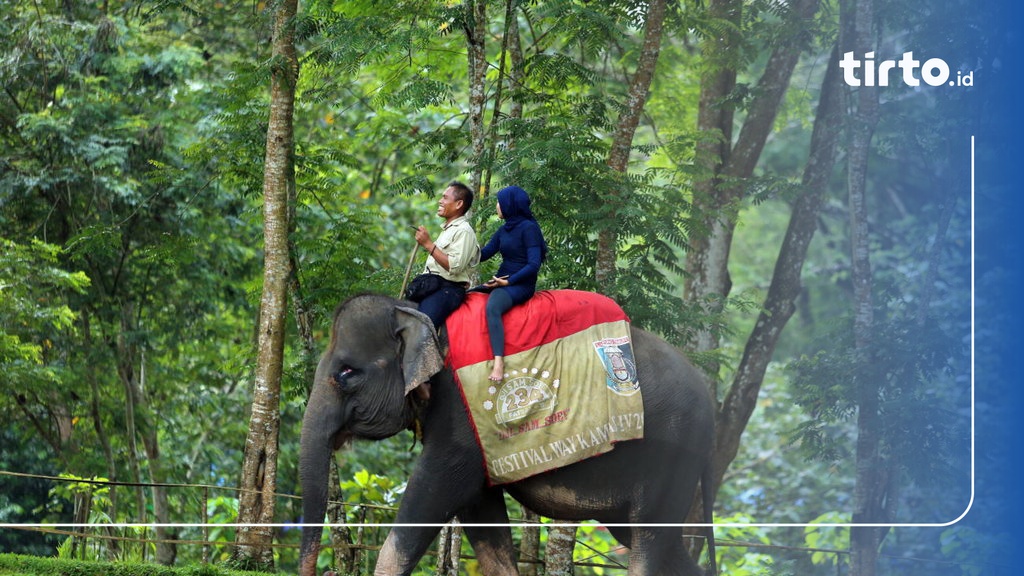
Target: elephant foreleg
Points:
x,y
492,545
403,548
425,507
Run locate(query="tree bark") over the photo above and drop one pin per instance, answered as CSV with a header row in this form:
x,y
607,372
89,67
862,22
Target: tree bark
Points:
x,y
516,67
166,552
717,199
449,550
140,424
874,474
707,278
259,468
780,303
529,547
558,553
476,32
126,373
622,140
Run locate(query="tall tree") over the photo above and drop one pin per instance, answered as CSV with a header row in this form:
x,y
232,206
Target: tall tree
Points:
x,y
874,495
707,281
622,141
259,468
726,165
475,26
727,168
785,287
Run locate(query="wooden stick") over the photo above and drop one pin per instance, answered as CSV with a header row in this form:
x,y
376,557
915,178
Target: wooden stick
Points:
x,y
408,269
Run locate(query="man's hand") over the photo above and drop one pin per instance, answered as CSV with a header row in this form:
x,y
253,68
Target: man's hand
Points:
x,y
423,237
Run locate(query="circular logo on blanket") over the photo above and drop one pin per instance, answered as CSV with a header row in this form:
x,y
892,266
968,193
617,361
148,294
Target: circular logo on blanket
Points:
x,y
521,396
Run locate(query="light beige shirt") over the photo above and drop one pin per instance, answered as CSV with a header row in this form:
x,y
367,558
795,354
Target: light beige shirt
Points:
x,y
458,240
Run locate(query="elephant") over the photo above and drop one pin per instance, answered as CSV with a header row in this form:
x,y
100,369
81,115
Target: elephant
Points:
x,y
366,386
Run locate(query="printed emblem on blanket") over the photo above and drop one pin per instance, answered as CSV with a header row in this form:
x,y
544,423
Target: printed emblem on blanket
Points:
x,y
521,396
617,356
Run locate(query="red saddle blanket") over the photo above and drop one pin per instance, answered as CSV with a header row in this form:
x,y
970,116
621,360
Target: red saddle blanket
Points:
x,y
570,390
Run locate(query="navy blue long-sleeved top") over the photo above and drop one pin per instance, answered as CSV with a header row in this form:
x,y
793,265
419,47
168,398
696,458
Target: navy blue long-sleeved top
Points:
x,y
520,243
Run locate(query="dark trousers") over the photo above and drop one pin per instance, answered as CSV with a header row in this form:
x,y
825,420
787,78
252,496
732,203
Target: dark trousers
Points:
x,y
439,305
498,302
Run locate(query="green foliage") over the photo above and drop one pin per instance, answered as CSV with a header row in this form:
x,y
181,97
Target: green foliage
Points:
x,y
133,141
91,146
970,548
736,559
823,539
917,393
222,510
33,311
376,492
16,565
87,488
595,545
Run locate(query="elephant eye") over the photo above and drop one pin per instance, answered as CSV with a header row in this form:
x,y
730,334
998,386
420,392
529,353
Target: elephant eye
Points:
x,y
342,375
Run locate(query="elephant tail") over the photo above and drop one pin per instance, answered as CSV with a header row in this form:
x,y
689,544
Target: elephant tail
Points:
x,y
708,500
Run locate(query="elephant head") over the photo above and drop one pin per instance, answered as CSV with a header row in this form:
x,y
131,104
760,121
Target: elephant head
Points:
x,y
380,350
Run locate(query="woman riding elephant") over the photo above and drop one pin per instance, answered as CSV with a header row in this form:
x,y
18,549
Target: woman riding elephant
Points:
x,y
523,249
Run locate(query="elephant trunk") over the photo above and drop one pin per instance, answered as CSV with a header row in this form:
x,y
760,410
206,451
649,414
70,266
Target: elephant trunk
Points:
x,y
320,427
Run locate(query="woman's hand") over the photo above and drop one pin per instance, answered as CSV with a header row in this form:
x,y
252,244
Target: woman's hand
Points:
x,y
497,282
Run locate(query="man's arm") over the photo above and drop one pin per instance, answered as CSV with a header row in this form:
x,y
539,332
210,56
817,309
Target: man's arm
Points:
x,y
433,250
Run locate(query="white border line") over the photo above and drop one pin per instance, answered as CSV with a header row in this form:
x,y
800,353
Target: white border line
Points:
x,y
970,504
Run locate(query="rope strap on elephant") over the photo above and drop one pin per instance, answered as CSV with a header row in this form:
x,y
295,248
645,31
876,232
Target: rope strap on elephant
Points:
x,y
570,391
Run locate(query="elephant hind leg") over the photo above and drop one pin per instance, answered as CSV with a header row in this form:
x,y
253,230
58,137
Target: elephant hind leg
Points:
x,y
660,552
622,534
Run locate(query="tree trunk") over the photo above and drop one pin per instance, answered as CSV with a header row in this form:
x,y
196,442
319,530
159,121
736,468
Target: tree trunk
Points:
x,y
166,552
476,32
510,31
141,424
259,468
707,277
516,67
529,546
558,553
874,475
346,556
622,141
449,550
780,303
707,259
126,373
113,546
716,200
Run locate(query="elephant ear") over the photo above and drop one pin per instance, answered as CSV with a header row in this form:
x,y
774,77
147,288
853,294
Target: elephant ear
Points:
x,y
421,356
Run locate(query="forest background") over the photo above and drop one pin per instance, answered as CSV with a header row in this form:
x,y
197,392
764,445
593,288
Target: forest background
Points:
x,y
174,173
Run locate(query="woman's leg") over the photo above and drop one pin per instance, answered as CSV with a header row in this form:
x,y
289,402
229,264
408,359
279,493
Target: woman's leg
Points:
x,y
498,303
